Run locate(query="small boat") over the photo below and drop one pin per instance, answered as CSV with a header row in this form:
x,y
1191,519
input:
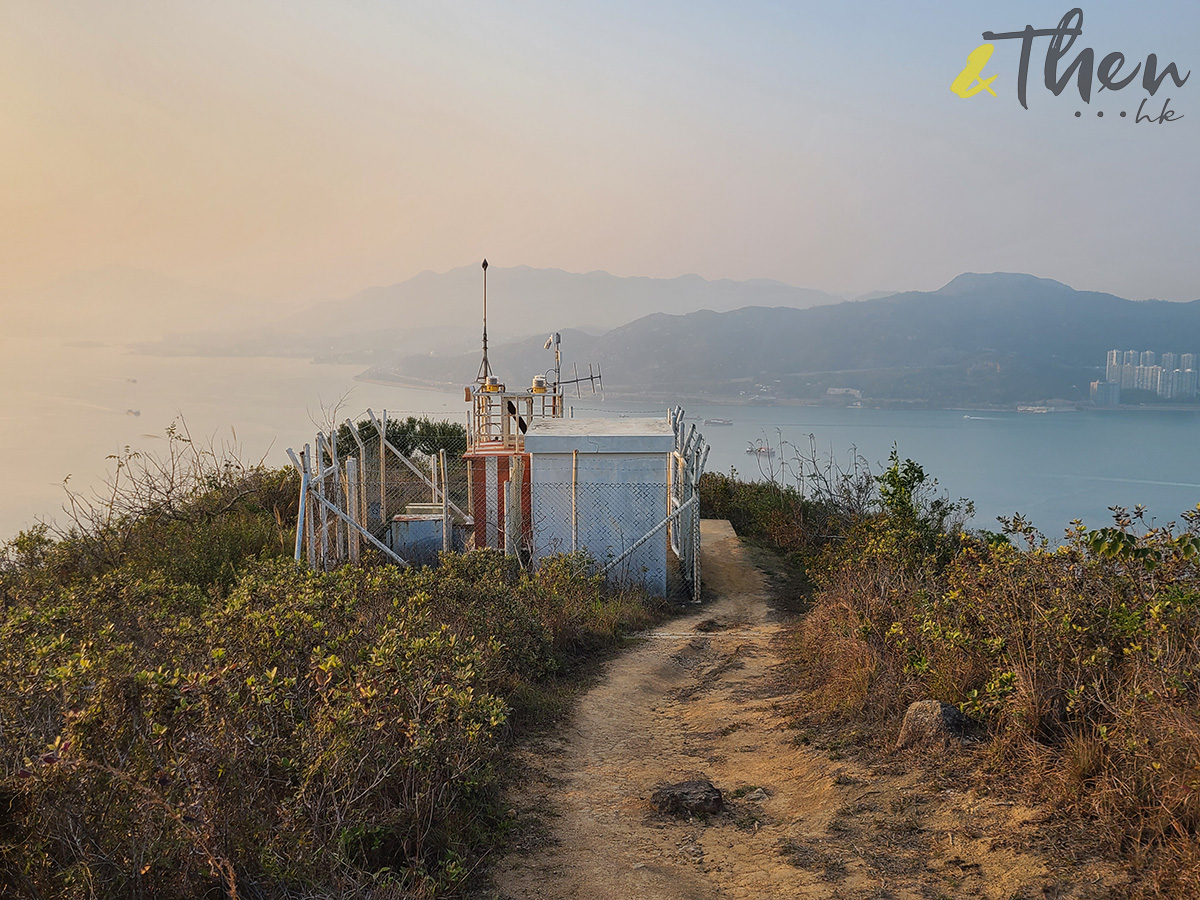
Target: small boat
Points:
x,y
760,451
718,421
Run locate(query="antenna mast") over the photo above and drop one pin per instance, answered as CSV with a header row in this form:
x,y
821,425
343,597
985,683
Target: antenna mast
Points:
x,y
485,368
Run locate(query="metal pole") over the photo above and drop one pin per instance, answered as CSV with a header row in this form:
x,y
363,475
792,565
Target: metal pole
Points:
x,y
485,368
470,488
303,470
352,501
687,442
574,500
302,509
339,496
447,526
685,525
310,532
383,466
697,467
672,531
321,476
362,473
516,474
510,544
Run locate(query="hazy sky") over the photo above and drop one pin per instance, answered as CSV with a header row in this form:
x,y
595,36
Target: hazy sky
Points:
x,y
298,150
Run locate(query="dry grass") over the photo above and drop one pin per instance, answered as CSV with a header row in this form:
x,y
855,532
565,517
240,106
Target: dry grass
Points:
x,y
1083,661
1085,665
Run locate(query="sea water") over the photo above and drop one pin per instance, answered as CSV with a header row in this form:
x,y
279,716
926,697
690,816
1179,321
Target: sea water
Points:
x,y
65,409
1051,468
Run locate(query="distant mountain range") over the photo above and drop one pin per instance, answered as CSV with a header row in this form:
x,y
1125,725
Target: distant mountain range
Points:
x,y
992,339
441,313
981,339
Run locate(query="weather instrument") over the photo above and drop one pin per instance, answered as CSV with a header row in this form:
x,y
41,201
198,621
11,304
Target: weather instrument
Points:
x,y
593,378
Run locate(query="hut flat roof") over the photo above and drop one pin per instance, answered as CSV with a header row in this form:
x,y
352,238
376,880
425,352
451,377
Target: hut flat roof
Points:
x,y
600,436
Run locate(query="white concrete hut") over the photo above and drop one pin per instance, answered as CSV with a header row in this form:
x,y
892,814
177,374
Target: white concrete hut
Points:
x,y
600,485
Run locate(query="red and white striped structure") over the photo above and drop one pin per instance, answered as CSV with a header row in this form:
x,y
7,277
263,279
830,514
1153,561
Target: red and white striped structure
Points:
x,y
489,473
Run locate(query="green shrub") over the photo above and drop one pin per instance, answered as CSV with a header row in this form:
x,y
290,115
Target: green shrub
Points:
x,y
186,712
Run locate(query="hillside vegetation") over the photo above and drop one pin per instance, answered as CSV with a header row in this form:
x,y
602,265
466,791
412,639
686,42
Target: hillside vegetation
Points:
x,y
1081,662
186,713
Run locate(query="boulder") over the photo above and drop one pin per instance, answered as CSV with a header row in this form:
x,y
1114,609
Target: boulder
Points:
x,y
932,720
687,798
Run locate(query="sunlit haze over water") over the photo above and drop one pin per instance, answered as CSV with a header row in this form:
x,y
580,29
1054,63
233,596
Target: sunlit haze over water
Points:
x,y
175,168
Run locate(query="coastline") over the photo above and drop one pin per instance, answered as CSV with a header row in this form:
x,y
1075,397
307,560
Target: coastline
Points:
x,y
370,376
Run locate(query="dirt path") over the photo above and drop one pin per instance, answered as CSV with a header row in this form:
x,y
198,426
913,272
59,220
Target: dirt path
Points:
x,y
703,698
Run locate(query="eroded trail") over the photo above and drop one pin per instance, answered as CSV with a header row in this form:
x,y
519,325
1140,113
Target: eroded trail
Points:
x,y
703,697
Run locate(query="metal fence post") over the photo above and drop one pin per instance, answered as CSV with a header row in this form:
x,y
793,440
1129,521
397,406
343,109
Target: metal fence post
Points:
x,y
301,509
352,501
514,515
339,496
323,555
364,517
510,544
672,530
686,526
382,467
310,531
447,526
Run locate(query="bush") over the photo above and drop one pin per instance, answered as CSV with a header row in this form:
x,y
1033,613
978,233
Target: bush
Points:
x,y
1083,660
409,436
186,712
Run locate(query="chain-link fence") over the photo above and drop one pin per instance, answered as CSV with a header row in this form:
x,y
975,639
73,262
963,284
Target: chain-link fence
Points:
x,y
390,487
606,520
636,515
359,490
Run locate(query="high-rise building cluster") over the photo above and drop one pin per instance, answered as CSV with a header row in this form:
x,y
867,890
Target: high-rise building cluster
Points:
x,y
1172,376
